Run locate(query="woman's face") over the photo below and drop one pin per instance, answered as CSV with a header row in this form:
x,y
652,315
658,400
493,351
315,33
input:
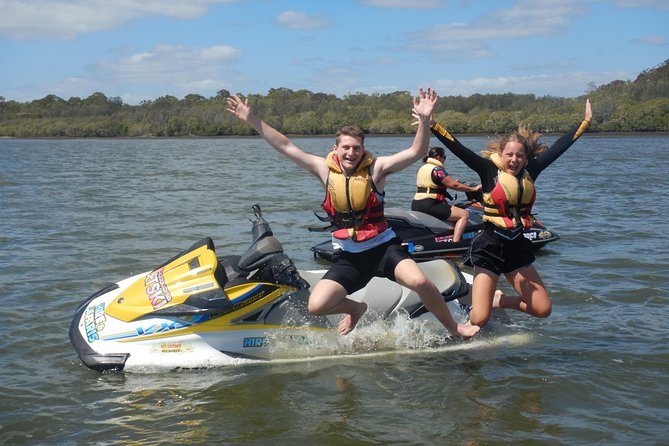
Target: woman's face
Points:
x,y
513,157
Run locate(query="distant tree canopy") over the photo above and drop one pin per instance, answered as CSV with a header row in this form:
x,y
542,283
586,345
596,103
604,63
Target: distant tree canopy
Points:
x,y
641,105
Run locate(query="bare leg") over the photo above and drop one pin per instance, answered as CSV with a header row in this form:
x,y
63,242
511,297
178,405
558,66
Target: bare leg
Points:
x,y
533,299
460,217
409,274
329,297
483,293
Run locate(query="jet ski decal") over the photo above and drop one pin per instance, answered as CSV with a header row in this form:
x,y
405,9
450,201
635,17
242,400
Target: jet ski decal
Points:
x,y
94,320
163,327
156,289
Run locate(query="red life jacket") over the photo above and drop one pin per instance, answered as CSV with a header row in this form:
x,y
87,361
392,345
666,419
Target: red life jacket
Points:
x,y
509,204
352,202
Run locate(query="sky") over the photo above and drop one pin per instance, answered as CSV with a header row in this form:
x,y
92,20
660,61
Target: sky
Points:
x,y
140,50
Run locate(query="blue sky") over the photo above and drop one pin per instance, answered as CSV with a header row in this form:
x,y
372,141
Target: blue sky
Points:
x,y
143,49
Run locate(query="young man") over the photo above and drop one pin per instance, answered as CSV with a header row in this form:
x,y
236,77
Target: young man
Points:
x,y
354,181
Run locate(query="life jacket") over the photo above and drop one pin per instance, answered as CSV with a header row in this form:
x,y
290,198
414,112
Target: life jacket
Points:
x,y
353,204
509,204
426,187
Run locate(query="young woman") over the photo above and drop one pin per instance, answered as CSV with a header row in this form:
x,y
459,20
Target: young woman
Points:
x,y
432,184
508,169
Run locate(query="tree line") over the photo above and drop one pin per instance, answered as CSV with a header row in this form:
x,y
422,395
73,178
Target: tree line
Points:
x,y
641,105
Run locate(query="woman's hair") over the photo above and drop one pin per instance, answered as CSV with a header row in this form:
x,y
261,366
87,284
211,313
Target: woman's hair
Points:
x,y
528,138
435,151
351,130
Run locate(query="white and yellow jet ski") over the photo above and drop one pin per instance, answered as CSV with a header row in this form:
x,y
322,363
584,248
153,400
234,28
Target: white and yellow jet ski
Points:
x,y
201,310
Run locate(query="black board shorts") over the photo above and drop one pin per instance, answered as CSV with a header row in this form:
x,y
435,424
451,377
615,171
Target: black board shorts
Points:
x,y
430,206
498,254
353,270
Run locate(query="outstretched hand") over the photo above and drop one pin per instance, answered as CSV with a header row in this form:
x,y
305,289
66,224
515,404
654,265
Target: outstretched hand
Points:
x,y
588,110
424,104
240,108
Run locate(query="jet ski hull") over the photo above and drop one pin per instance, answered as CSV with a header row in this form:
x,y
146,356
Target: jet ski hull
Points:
x,y
190,342
198,310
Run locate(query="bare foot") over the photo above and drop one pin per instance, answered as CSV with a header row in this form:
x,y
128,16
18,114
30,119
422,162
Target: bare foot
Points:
x,y
468,330
350,320
496,299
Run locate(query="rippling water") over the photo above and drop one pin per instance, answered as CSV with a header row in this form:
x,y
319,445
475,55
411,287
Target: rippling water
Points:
x,y
78,214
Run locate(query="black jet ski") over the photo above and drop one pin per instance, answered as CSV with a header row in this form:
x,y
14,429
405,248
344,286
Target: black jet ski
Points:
x,y
199,309
427,237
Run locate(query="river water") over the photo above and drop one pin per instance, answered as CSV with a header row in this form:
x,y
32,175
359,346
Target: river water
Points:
x,y
78,214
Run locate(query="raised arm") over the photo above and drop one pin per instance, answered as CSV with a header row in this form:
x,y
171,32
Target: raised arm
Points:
x,y
562,144
473,160
422,112
314,164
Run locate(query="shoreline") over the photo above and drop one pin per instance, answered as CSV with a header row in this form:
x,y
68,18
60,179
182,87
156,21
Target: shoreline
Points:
x,y
368,135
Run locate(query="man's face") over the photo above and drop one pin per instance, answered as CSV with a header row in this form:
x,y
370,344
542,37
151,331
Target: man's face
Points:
x,y
349,151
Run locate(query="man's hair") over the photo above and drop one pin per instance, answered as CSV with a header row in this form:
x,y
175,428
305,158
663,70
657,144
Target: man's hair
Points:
x,y
351,130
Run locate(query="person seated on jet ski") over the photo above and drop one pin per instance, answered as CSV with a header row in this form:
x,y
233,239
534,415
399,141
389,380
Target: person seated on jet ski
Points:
x,y
353,180
508,170
432,184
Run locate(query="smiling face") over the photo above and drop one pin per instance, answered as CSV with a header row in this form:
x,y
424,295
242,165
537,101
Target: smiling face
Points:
x,y
349,151
513,157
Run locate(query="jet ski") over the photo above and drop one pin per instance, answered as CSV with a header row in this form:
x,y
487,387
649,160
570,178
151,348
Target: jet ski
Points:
x,y
427,237
200,309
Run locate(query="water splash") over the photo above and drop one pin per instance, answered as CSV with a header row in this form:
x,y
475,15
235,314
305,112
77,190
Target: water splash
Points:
x,y
401,335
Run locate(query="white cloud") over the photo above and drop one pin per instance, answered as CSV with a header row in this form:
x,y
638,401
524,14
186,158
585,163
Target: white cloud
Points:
x,y
205,85
169,64
561,85
300,21
525,19
651,40
643,4
376,61
166,69
63,88
65,19
404,4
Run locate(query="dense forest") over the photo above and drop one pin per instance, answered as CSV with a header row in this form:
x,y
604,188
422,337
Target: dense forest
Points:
x,y
641,105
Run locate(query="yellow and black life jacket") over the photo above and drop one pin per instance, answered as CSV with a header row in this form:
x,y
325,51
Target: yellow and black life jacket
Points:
x,y
509,204
426,187
353,204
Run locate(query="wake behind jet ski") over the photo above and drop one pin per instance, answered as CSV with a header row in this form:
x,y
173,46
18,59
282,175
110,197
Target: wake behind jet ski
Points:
x,y
202,310
427,237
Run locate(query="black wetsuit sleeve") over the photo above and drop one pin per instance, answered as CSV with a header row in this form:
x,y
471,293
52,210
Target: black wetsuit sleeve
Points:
x,y
482,166
545,159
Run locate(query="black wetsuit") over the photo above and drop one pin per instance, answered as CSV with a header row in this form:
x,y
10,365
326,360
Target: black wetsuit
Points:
x,y
497,250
